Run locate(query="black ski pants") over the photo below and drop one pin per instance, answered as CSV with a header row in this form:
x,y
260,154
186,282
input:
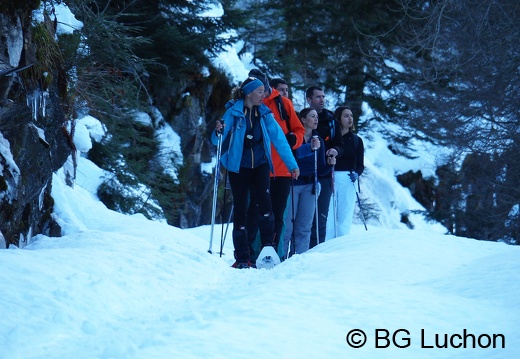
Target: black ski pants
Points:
x,y
241,184
280,188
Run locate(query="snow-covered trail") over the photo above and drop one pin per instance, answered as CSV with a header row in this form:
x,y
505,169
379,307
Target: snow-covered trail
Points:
x,y
124,287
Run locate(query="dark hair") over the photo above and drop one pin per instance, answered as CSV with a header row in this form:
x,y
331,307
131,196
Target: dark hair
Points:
x,y
303,113
337,116
237,93
310,91
276,81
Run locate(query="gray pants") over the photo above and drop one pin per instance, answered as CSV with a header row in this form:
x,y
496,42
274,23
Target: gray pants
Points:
x,y
304,205
323,211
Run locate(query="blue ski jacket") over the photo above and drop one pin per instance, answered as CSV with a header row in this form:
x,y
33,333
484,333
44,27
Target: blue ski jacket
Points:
x,y
234,133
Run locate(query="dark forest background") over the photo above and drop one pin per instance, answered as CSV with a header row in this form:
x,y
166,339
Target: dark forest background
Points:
x,y
445,72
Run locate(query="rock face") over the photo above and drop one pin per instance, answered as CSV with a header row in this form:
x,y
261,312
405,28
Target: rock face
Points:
x,y
33,143
423,190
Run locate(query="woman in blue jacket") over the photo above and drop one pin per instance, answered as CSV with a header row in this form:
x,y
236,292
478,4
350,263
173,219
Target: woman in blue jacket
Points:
x,y
248,129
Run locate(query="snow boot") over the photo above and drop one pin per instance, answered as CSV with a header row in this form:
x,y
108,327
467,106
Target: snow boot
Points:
x,y
241,244
243,265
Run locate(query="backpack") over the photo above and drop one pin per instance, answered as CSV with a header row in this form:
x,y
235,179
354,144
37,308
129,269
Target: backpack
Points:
x,y
330,121
281,108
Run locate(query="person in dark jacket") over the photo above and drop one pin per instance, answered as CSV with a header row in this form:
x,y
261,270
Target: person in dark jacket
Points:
x,y
248,129
302,198
347,171
329,130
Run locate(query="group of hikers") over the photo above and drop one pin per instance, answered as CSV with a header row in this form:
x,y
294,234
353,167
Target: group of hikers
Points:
x,y
283,167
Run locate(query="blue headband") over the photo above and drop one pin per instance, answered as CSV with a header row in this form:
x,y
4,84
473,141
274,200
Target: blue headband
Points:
x,y
251,86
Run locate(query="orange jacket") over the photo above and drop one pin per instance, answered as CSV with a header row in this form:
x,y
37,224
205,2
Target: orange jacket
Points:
x,y
293,124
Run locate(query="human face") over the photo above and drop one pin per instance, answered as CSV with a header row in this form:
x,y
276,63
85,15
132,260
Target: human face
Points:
x,y
283,89
256,97
317,101
310,122
346,119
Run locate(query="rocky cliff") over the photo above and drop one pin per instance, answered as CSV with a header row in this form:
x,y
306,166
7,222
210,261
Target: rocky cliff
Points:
x,y
33,138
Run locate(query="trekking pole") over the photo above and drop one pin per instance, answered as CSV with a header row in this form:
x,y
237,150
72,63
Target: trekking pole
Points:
x,y
334,204
316,194
360,208
223,238
222,210
292,249
215,190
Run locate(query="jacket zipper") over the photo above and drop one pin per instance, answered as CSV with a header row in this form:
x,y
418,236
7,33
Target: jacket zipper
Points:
x,y
251,149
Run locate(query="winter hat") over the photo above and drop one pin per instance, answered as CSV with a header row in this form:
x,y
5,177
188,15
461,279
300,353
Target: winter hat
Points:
x,y
262,77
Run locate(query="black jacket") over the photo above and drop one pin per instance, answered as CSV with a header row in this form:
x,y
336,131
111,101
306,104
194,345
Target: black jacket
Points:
x,y
329,130
353,154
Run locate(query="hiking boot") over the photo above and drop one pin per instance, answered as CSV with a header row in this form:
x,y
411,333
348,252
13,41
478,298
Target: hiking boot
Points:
x,y
243,264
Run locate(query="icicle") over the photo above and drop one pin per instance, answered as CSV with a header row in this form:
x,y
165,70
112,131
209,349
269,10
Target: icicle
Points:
x,y
37,101
21,242
34,107
40,197
44,101
29,236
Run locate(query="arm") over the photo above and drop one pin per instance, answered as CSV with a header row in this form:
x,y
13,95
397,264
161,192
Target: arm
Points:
x,y
277,138
360,157
337,142
323,167
227,122
305,150
294,123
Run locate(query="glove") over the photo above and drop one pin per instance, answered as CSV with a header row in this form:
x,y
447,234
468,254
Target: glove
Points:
x,y
291,139
353,176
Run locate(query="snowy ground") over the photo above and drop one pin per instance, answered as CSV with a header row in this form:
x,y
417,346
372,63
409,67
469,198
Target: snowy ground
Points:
x,y
119,286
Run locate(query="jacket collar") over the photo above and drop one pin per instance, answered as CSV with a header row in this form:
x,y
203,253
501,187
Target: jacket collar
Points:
x,y
273,95
238,108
